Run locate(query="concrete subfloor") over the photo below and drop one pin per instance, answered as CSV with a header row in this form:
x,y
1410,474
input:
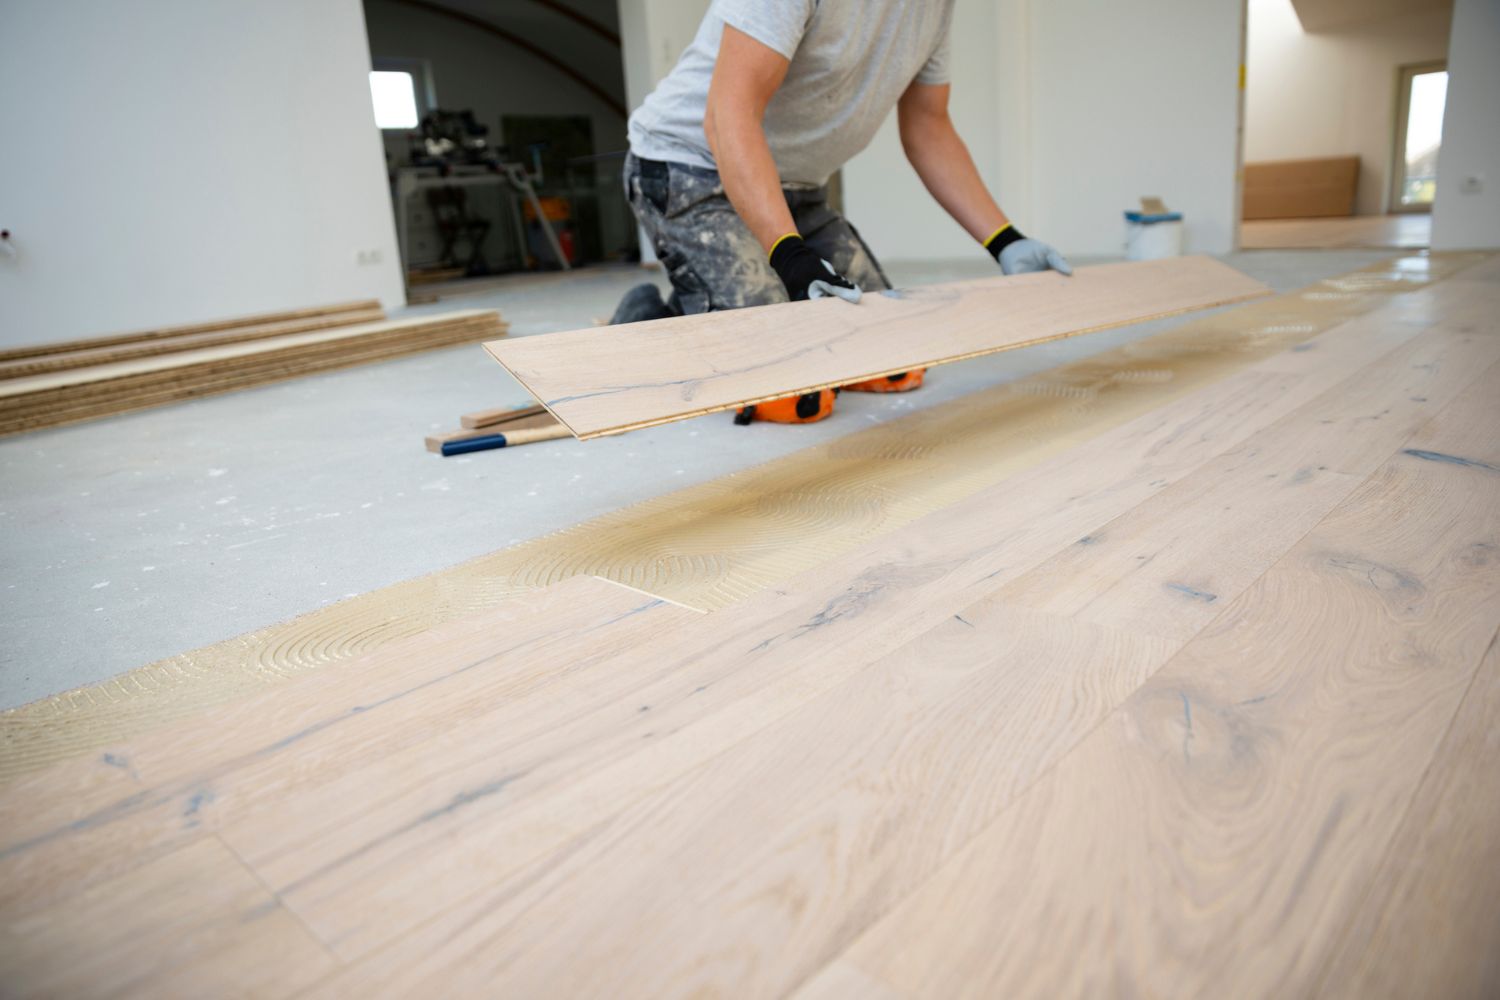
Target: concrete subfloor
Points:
x,y
132,539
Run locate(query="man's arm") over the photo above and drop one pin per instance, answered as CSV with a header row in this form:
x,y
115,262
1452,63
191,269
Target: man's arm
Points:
x,y
947,170
746,77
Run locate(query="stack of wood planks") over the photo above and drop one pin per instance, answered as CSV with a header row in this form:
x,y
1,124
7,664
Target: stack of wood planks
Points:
x,y
53,384
1301,189
1203,704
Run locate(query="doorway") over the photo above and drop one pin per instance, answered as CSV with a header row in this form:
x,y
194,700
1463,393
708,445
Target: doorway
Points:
x,y
1423,93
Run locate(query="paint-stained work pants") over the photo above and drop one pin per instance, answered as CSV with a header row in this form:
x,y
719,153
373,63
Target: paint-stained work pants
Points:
x,y
709,254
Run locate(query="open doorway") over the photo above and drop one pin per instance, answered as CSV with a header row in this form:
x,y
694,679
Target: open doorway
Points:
x,y
1419,136
1343,122
504,128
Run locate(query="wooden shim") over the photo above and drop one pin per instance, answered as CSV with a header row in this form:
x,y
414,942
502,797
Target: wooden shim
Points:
x,y
535,418
149,348
487,418
607,381
86,343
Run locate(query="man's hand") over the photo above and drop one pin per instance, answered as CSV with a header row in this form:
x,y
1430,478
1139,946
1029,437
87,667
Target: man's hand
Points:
x,y
1018,254
805,274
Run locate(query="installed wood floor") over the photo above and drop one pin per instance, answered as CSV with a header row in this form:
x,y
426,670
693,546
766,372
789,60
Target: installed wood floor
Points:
x,y
1204,704
1371,232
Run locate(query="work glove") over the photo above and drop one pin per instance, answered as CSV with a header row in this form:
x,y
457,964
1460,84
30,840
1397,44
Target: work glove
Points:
x,y
1018,254
805,274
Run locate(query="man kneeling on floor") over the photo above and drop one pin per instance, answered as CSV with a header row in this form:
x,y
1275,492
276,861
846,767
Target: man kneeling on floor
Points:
x,y
730,158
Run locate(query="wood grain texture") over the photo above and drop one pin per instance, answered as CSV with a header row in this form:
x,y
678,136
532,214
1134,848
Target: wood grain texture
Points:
x,y
747,897
97,816
1405,232
192,923
605,381
169,332
85,357
1228,822
62,397
1430,924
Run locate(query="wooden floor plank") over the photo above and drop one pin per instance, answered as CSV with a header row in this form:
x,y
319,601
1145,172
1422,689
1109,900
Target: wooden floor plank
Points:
x,y
764,813
93,817
192,923
1222,828
1408,231
607,381
1166,566
1431,924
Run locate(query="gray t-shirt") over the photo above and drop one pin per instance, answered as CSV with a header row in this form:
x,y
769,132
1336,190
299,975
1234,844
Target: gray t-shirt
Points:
x,y
851,60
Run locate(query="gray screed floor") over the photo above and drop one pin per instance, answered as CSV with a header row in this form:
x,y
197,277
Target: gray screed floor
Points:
x,y
128,540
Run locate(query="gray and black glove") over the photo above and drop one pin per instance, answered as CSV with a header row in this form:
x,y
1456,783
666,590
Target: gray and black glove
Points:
x,y
805,274
1018,254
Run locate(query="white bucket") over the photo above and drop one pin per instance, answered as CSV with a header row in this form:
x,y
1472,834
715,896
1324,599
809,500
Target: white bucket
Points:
x,y
1148,237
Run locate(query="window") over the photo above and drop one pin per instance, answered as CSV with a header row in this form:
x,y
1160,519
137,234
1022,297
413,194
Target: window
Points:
x,y
1419,136
394,94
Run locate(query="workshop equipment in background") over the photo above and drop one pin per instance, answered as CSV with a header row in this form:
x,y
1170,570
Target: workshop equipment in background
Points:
x,y
555,215
458,227
503,428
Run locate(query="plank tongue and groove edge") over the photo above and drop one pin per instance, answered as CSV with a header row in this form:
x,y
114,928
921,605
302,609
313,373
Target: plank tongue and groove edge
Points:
x,y
607,381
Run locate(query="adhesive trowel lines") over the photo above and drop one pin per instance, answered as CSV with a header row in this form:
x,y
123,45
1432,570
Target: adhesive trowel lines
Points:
x,y
712,544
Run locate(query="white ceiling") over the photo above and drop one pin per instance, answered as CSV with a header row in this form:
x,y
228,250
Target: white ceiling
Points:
x,y
1339,15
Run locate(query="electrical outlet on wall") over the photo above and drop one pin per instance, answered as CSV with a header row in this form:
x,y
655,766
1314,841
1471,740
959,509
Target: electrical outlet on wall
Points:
x,y
365,258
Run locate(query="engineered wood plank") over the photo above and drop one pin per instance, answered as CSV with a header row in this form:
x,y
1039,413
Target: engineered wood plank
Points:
x,y
1166,566
192,923
606,381
1222,828
161,333
756,830
1430,925
85,357
1357,232
813,631
90,818
488,418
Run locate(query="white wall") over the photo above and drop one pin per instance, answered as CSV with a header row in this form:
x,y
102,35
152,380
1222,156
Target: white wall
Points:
x,y
169,161
1074,109
1462,219
1333,93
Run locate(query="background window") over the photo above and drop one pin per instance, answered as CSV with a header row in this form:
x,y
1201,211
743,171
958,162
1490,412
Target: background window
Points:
x,y
394,95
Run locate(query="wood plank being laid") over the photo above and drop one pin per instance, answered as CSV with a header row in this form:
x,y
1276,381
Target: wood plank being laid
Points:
x,y
607,381
1439,884
169,332
1227,824
192,923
